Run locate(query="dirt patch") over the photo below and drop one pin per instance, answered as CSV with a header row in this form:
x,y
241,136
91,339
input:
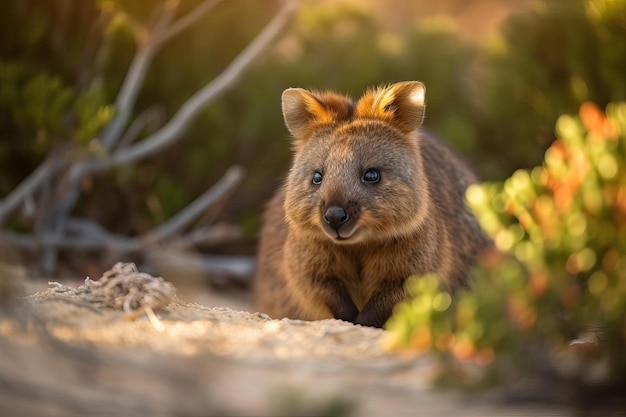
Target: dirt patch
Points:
x,y
66,353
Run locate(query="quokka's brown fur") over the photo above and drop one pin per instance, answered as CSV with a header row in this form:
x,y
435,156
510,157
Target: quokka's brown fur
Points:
x,y
368,202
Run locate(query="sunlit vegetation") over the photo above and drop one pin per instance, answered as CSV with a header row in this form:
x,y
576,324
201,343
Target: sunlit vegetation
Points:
x,y
551,297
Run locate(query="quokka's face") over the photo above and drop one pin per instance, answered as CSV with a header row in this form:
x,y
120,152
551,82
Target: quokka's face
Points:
x,y
357,174
356,183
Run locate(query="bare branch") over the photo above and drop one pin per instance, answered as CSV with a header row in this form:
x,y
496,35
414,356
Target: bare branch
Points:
x,y
67,193
221,269
29,243
190,109
24,189
134,79
89,239
169,9
31,184
214,234
124,106
238,268
150,115
186,21
127,96
220,190
77,227
86,234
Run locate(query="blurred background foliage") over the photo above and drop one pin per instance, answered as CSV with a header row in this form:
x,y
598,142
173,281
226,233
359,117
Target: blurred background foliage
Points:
x,y
498,74
551,303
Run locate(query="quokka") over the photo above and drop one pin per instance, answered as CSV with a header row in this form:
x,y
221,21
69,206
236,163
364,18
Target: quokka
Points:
x,y
370,200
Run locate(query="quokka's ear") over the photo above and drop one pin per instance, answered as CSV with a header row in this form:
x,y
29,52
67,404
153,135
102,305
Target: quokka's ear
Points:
x,y
401,104
302,110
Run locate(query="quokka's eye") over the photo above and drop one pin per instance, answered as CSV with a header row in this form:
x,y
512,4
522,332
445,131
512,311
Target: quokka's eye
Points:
x,y
317,178
371,176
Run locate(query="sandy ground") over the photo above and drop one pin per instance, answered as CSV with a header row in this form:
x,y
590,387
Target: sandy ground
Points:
x,y
63,355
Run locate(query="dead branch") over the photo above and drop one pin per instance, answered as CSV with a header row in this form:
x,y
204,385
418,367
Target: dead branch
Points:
x,y
151,115
186,21
82,242
190,109
82,234
147,48
56,229
133,81
221,189
86,235
214,234
128,94
52,164
165,136
220,269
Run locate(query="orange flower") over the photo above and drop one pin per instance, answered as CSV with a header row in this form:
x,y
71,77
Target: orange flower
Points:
x,y
463,350
596,122
565,186
559,150
521,313
538,283
543,211
421,339
445,341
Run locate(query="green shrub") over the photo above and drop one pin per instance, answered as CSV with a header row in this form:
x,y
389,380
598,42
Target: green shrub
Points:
x,y
555,289
545,62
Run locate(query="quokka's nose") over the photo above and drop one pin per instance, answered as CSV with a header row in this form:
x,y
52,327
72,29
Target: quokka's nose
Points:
x,y
335,216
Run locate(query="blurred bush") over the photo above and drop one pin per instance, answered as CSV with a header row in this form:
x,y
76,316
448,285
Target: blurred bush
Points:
x,y
552,299
46,94
545,62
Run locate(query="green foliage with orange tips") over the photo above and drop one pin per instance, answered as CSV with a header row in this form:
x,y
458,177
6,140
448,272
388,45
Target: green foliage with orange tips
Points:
x,y
554,287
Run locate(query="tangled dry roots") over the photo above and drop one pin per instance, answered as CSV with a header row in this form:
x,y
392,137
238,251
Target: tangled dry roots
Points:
x,y
123,287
